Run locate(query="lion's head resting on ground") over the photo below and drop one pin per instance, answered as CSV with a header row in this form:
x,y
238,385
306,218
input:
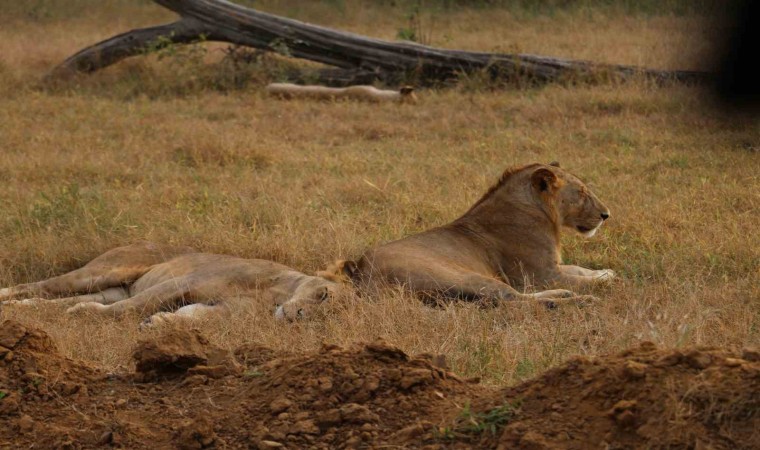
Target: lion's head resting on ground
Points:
x,y
571,202
308,296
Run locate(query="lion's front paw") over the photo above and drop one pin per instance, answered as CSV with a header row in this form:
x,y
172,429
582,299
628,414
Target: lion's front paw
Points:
x,y
578,300
154,321
554,294
604,275
83,308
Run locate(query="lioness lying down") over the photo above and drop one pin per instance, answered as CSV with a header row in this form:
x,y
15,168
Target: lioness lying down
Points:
x,y
153,279
359,92
511,234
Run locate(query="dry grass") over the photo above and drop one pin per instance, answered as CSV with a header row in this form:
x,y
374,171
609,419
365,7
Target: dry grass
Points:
x,y
135,152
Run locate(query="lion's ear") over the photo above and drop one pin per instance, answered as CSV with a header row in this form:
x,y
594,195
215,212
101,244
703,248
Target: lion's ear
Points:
x,y
554,163
406,90
350,268
544,180
339,271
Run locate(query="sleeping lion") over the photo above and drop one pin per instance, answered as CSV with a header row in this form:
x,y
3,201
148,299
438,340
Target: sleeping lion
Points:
x,y
511,234
154,280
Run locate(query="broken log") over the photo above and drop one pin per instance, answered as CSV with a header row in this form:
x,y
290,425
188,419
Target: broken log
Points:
x,y
353,57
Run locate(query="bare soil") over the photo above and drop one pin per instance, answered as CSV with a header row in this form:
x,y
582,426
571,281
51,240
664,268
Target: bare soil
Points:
x,y
185,393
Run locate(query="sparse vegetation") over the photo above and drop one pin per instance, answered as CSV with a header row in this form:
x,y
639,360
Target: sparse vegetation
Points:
x,y
138,152
490,421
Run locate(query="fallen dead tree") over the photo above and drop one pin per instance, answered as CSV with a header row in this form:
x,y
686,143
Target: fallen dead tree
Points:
x,y
354,58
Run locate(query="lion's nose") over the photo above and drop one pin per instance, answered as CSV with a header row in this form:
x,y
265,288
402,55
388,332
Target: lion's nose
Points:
x,y
605,215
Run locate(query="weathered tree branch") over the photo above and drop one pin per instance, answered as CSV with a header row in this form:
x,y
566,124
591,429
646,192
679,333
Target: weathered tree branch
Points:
x,y
131,43
356,57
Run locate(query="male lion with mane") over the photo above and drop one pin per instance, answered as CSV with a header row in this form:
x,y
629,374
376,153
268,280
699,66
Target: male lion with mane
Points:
x,y
510,234
153,280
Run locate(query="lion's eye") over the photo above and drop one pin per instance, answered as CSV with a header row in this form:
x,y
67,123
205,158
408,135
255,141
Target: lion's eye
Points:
x,y
299,314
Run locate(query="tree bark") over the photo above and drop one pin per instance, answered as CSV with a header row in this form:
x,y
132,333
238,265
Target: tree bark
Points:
x,y
354,57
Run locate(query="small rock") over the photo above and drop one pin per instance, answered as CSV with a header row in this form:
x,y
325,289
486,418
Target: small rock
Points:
x,y
329,348
440,362
8,405
626,418
751,354
623,413
352,442
733,362
413,377
10,333
670,359
25,424
355,413
301,415
634,370
325,384
371,383
120,402
411,432
534,441
213,372
195,434
382,350
105,438
623,405
68,388
33,377
279,405
329,418
270,444
194,380
698,360
305,427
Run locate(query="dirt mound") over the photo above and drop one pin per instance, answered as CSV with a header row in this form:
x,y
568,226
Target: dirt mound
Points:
x,y
187,394
342,398
643,397
32,373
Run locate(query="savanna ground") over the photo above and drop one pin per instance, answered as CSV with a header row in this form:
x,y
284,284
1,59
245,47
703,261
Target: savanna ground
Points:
x,y
184,147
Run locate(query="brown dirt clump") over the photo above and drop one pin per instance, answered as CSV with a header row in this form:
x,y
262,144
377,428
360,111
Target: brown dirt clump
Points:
x,y
187,394
366,395
32,377
643,397
179,352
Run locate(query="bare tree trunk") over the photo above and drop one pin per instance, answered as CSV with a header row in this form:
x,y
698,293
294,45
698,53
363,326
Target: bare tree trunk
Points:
x,y
356,57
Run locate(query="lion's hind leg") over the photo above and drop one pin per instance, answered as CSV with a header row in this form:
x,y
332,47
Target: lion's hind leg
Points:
x,y
85,280
104,297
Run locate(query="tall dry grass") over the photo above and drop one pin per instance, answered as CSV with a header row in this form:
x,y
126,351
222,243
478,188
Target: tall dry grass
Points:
x,y
170,151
